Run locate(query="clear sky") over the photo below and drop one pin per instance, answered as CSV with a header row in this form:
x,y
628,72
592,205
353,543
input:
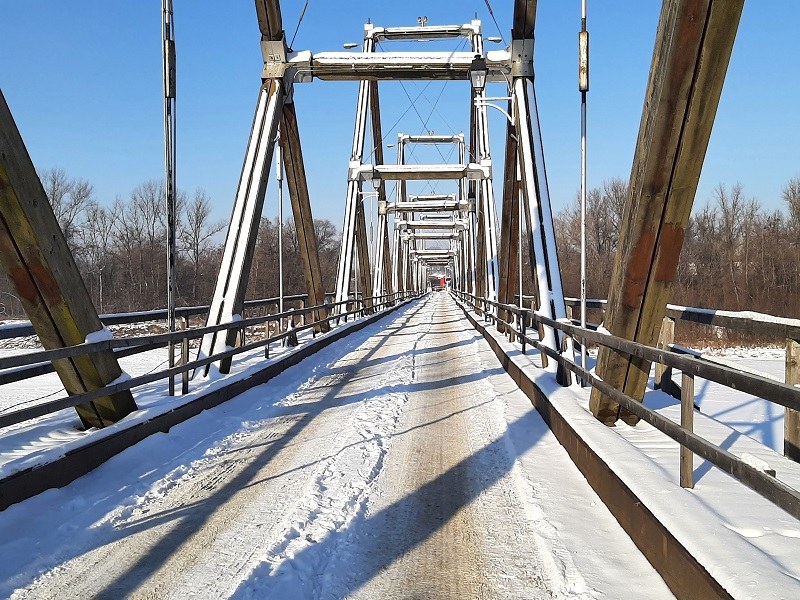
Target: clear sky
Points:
x,y
83,80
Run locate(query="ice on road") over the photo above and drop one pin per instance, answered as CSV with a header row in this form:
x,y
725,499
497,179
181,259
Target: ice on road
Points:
x,y
403,463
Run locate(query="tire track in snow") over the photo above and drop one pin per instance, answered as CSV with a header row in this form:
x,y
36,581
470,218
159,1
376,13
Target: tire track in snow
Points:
x,y
214,542
340,490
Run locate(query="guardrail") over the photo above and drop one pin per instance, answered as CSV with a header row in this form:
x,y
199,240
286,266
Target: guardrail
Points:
x,y
690,443
11,366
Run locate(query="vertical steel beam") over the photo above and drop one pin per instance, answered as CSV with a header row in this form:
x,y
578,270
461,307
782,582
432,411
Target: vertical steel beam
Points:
x,y
301,209
488,264
38,262
353,217
690,59
228,299
362,247
382,281
541,233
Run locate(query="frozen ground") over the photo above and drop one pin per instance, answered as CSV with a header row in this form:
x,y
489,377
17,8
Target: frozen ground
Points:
x,y
401,462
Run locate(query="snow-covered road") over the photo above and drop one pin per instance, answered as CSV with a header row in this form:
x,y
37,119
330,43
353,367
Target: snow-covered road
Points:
x,y
404,463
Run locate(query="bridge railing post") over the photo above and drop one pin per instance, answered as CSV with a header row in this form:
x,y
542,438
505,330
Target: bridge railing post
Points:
x,y
522,327
185,355
666,337
687,423
791,418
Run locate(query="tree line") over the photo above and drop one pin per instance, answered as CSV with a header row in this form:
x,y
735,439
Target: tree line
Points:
x,y
120,250
736,255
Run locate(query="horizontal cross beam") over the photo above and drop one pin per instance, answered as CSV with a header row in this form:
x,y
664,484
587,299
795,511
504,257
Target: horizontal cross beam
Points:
x,y
456,225
429,206
350,66
423,33
432,253
405,138
430,236
478,171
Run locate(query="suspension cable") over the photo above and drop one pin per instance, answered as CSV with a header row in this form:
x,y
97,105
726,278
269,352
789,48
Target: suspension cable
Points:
x,y
300,20
491,14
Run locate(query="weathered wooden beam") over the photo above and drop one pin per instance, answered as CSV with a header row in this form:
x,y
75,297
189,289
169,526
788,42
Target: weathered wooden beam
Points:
x,y
270,22
791,418
692,49
362,247
383,255
301,209
38,262
508,262
524,20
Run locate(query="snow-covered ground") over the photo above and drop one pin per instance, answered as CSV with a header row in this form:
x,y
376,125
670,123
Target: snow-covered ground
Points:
x,y
314,484
399,460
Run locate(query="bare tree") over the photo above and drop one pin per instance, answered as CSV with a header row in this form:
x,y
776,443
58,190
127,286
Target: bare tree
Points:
x,y
196,236
69,198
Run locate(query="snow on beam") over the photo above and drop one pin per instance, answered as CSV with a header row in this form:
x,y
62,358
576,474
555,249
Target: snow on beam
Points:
x,y
349,66
482,170
423,33
454,225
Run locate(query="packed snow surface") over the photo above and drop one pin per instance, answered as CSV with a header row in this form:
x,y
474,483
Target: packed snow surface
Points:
x,y
400,462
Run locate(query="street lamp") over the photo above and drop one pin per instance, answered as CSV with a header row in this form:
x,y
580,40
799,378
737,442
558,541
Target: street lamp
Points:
x,y
478,72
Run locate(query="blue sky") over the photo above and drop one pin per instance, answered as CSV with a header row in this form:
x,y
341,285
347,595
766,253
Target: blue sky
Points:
x,y
83,80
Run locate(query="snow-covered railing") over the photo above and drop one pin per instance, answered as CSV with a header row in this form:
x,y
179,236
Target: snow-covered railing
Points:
x,y
24,329
742,469
744,321
183,313
353,307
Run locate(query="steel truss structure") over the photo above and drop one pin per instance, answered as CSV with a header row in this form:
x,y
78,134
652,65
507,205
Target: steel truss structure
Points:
x,y
457,233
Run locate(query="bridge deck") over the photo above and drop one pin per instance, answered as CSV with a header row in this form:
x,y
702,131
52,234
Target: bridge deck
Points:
x,y
407,466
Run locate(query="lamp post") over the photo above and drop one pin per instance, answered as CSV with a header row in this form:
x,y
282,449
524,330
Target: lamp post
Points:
x,y
168,60
279,177
583,87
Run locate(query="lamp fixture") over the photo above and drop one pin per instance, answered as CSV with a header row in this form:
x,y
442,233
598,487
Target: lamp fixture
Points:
x,y
478,72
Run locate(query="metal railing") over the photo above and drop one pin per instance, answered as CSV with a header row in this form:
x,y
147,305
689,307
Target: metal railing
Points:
x,y
353,307
762,482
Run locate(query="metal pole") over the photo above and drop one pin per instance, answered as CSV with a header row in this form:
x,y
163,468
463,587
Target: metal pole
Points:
x,y
583,86
279,176
168,62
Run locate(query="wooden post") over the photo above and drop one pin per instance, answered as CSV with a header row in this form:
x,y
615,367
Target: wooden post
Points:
x,y
384,269
687,422
791,418
666,337
35,256
301,209
362,247
185,356
692,49
509,230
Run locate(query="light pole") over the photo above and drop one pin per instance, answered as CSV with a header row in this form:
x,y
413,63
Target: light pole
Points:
x,y
279,177
583,87
168,58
